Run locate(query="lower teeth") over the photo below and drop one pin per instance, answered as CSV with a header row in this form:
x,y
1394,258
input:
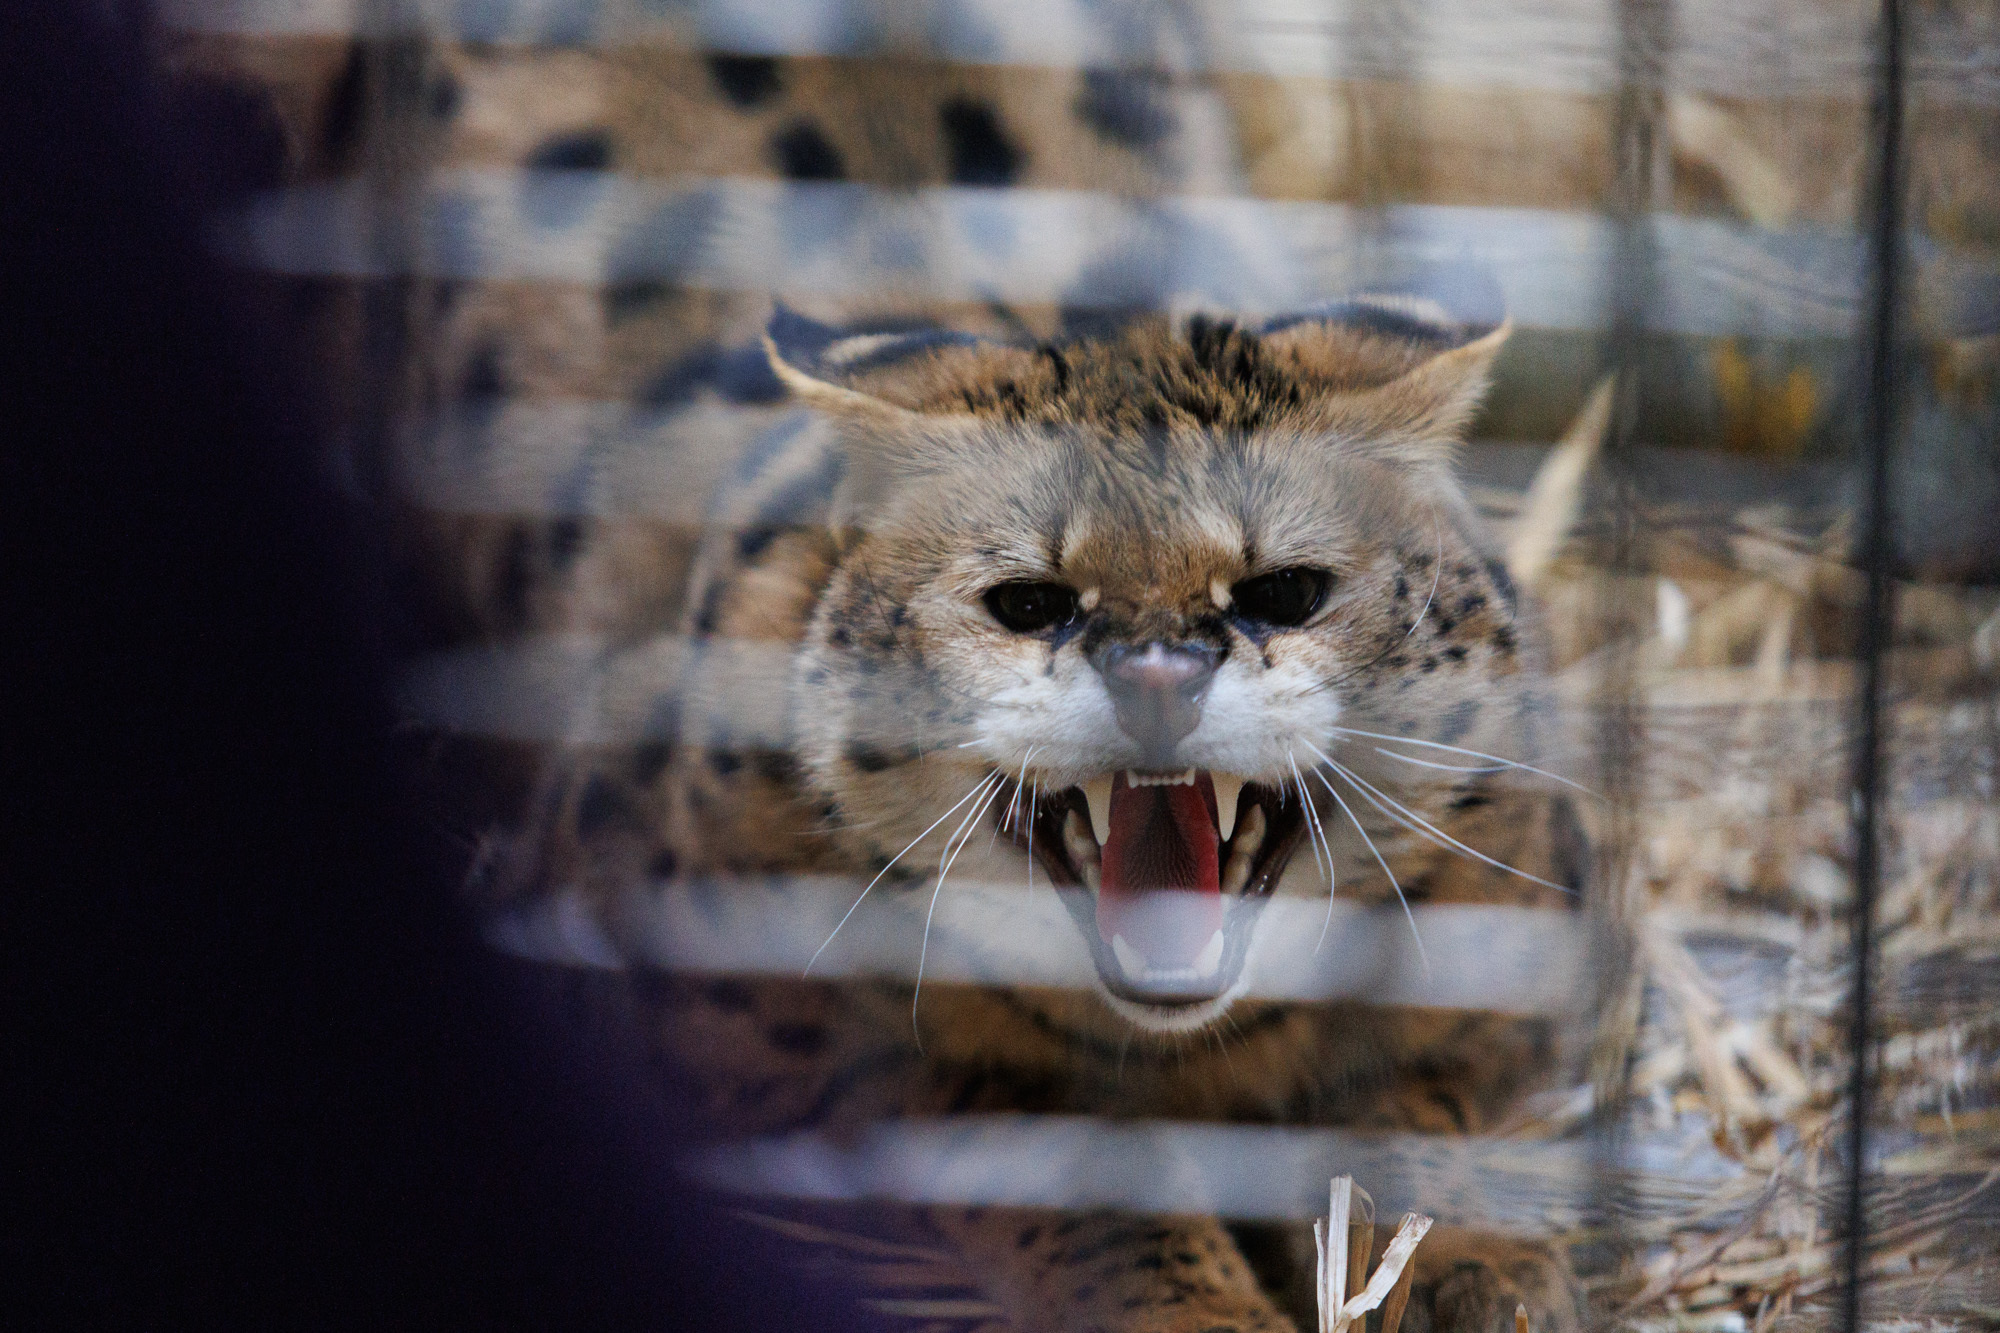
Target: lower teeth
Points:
x,y
1237,873
1137,968
1082,849
1243,850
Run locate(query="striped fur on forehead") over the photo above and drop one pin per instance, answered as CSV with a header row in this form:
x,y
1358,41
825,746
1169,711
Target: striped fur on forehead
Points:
x,y
1368,373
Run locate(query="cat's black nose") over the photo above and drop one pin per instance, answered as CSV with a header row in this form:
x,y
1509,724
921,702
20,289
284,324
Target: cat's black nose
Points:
x,y
1157,689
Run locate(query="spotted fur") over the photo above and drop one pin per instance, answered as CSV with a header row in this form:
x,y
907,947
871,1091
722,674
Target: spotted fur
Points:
x,y
830,659
842,576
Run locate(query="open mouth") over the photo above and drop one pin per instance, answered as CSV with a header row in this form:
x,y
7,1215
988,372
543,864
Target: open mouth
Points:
x,y
1177,866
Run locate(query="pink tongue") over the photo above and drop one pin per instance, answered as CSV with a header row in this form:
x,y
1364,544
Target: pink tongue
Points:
x,y
1160,885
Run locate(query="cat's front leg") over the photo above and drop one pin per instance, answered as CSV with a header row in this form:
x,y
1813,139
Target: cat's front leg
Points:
x,y
1114,1272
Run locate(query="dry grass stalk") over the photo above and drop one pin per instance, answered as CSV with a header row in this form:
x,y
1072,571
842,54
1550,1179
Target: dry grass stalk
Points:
x,y
1746,683
1343,1240
1557,492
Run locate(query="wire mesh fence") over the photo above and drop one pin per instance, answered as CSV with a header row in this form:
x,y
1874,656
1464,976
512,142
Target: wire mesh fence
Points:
x,y
1739,452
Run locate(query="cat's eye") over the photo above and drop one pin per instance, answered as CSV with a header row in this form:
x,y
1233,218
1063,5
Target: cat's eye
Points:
x,y
1284,597
1029,607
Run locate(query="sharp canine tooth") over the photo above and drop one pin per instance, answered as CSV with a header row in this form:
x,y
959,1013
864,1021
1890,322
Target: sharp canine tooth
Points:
x,y
1251,837
1237,873
1128,957
1097,792
1210,956
1077,841
1227,788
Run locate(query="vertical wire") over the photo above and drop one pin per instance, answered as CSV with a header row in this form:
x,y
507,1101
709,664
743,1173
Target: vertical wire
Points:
x,y
1643,33
1884,226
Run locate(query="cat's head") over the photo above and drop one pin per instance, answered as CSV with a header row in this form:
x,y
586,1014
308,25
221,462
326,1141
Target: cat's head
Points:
x,y
1144,579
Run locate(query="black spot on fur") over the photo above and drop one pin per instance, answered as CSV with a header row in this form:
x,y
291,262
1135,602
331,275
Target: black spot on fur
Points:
x,y
775,766
1456,653
1502,582
680,380
1472,801
584,150
734,996
483,376
598,806
802,153
663,865
649,761
798,1038
565,542
1458,721
340,128
1569,846
1126,107
1058,363
744,81
710,614
751,542
445,95
980,151
869,759
622,300
1503,639
1027,1237
516,575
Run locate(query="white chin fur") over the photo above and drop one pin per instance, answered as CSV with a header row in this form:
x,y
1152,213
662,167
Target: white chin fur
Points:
x,y
1177,1018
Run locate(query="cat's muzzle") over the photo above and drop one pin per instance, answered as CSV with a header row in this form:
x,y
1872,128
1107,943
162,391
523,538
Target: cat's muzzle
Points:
x,y
1163,872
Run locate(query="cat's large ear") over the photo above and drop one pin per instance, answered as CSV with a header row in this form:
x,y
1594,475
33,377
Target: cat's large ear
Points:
x,y
1396,372
881,439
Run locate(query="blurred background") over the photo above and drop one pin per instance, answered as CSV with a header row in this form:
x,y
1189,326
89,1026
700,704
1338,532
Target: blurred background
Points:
x,y
523,251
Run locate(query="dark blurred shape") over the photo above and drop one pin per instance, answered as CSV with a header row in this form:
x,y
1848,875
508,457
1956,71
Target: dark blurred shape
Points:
x,y
262,1071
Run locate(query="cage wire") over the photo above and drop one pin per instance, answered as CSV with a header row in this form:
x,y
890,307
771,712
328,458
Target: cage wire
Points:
x,y
1743,451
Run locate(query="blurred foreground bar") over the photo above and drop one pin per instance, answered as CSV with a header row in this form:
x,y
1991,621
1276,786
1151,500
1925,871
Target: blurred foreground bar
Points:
x,y
1509,959
838,240
1242,1172
1762,49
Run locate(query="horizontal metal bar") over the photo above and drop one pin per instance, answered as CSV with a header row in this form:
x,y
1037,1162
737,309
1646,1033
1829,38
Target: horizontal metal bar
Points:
x,y
858,243
1760,50
1240,1172
1505,959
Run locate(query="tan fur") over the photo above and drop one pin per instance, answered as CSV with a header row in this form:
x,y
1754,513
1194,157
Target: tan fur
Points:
x,y
843,658
1151,467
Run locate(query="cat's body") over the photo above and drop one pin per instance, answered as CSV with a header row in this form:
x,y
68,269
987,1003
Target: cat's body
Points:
x,y
983,579
803,679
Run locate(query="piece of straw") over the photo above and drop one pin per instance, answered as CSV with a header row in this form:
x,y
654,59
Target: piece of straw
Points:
x,y
1388,1274
1556,493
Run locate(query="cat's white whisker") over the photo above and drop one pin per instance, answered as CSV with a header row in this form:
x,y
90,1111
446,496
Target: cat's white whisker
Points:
x,y
1500,759
1449,768
1423,956
1014,804
1437,573
1034,798
1313,827
885,870
960,835
1416,823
